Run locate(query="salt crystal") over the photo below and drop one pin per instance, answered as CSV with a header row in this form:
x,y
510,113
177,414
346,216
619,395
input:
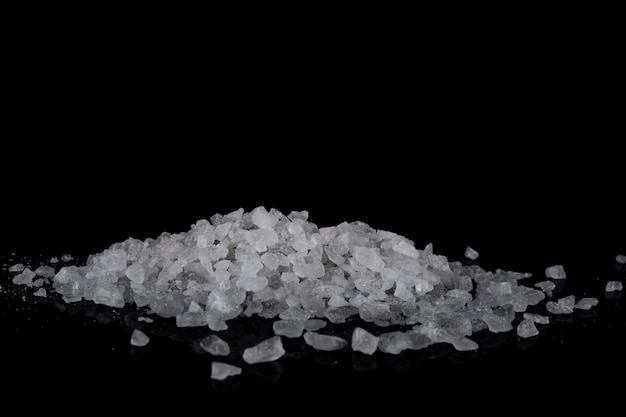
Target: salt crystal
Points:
x,y
145,319
288,328
393,342
620,259
17,268
586,303
556,272
363,341
215,346
24,278
527,328
220,371
54,260
45,271
38,283
262,219
546,286
139,338
369,258
40,293
66,257
471,253
324,342
537,318
312,325
563,306
266,351
613,286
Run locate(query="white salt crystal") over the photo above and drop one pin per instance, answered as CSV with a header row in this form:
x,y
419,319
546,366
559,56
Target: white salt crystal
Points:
x,y
563,306
24,278
146,319
546,286
66,257
407,249
40,293
45,271
288,328
613,286
38,282
586,303
220,371
324,342
393,342
312,325
262,219
369,258
620,259
266,351
556,272
16,268
537,318
527,328
471,253
139,338
54,260
215,346
364,341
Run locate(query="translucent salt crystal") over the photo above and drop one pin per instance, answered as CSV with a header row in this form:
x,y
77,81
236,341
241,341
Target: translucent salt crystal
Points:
x,y
215,346
563,306
266,351
407,249
546,286
288,328
364,341
497,324
17,268
471,253
613,286
139,338
24,278
145,319
54,260
262,219
586,303
527,328
220,371
556,272
463,344
313,325
109,295
40,293
324,342
369,258
45,271
66,257
38,282
393,342
620,259
537,318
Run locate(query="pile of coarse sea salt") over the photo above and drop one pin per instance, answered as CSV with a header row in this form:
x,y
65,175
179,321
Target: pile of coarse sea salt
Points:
x,y
288,269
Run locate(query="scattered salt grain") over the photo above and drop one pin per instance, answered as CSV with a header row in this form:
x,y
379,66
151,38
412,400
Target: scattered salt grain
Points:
x,y
17,268
266,351
45,271
556,272
215,346
537,318
220,371
66,257
471,253
145,319
24,278
563,306
620,259
586,303
324,342
527,328
139,338
613,286
40,293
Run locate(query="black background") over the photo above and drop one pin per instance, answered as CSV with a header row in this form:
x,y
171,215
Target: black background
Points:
x,y
509,147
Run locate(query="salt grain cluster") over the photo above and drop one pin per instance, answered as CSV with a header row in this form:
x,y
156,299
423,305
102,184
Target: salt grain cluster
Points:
x,y
287,269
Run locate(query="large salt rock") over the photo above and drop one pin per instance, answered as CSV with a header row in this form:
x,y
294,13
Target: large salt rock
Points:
x,y
266,351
